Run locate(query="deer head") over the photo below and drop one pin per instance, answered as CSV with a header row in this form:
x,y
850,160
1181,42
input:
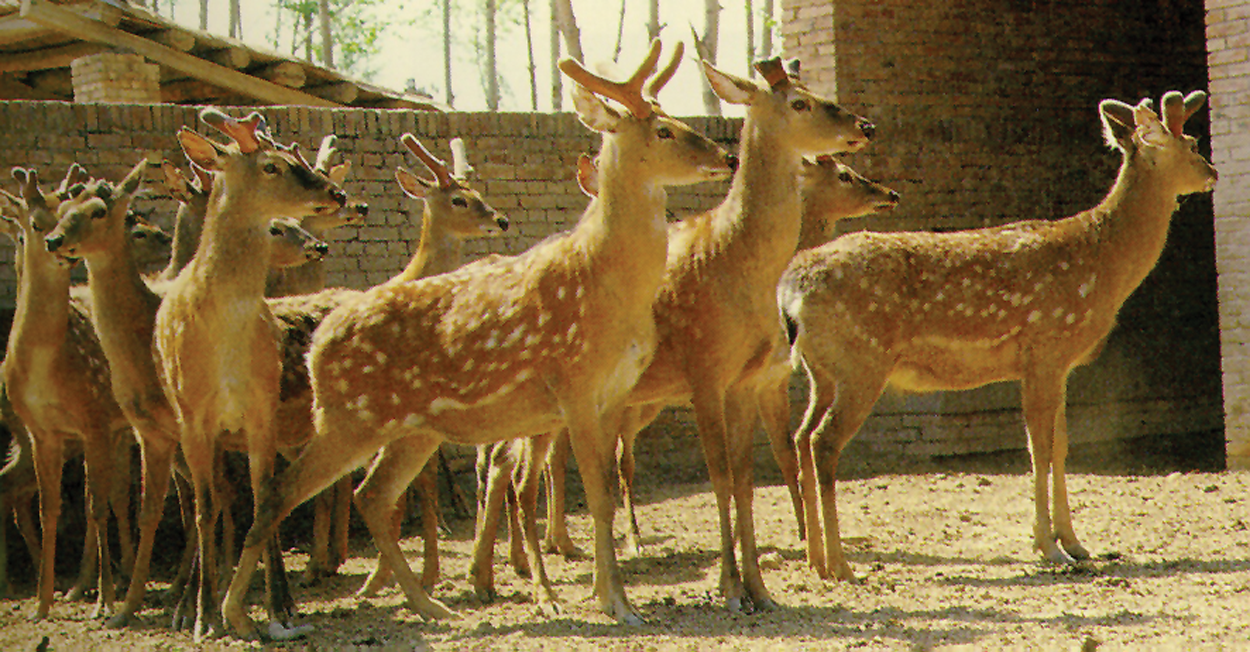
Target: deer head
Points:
x,y
293,245
1137,131
812,124
269,179
461,211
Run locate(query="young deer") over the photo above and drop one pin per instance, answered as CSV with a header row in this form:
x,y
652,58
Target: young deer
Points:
x,y
1028,301
214,338
55,374
716,308
502,348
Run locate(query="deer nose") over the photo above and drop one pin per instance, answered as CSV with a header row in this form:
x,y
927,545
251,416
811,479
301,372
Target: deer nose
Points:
x,y
732,161
338,196
867,128
894,196
362,210
53,242
321,249
502,222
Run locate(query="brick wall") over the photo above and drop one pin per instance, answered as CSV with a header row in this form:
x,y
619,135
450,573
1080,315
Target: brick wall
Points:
x,y
524,166
987,113
1228,38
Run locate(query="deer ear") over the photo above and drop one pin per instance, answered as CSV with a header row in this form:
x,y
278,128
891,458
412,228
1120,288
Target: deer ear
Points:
x,y
339,172
175,183
1118,124
202,151
729,88
594,112
130,185
412,185
587,175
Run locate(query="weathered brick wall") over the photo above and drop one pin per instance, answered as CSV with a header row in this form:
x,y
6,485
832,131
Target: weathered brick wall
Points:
x,y
524,166
987,113
1228,38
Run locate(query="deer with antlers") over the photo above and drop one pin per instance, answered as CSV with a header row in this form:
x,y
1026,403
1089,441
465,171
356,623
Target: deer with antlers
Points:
x,y
502,348
215,339
1028,301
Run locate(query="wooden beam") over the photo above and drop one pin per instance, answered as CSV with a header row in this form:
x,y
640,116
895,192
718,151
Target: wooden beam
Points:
x,y
174,39
50,15
15,29
59,81
192,91
11,89
49,58
234,58
341,92
287,73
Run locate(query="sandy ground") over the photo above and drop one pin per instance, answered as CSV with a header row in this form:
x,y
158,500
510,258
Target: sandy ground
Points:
x,y
942,550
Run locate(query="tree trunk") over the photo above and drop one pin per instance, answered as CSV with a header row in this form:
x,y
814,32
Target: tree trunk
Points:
x,y
236,22
557,85
308,43
327,34
750,18
653,20
706,47
204,15
620,33
566,22
450,96
529,52
766,31
492,73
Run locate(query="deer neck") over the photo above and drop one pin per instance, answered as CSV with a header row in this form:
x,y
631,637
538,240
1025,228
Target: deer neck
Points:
x,y
814,230
123,306
187,231
1132,222
625,225
439,251
233,256
42,314
759,220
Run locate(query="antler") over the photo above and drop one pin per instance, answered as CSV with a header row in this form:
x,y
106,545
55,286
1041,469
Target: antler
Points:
x,y
1176,110
773,72
435,165
325,153
459,159
246,133
661,78
628,93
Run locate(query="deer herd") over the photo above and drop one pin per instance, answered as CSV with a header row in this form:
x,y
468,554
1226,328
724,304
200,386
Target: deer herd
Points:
x,y
574,345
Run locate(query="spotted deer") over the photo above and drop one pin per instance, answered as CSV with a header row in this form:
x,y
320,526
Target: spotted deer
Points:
x,y
1028,301
56,378
505,347
219,358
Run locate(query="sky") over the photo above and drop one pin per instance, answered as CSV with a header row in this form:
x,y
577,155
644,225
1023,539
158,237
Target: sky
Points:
x,y
416,52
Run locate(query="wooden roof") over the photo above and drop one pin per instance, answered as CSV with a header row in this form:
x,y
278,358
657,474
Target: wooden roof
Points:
x,y
39,39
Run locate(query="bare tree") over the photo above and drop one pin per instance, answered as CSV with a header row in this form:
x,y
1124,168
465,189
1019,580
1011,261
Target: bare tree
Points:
x,y
566,22
491,70
236,20
766,31
706,47
529,51
327,33
653,20
557,88
750,25
620,33
450,96
204,15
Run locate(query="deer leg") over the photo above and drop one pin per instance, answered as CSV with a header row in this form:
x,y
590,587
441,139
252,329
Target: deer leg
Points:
x,y
341,530
631,423
773,401
593,448
319,558
709,409
262,453
740,413
516,538
821,394
1062,513
49,452
497,464
88,565
426,487
526,486
394,469
119,498
200,458
557,537
186,509
157,454
326,459
1043,396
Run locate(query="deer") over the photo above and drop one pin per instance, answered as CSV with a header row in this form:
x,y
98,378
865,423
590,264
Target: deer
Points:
x,y
55,374
1028,301
831,191
220,362
501,348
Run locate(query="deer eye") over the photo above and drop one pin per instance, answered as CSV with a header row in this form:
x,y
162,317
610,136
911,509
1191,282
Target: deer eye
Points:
x,y
800,105
275,230
139,235
664,132
844,177
270,168
459,202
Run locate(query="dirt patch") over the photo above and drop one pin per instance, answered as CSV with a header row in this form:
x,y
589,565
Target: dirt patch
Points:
x,y
942,550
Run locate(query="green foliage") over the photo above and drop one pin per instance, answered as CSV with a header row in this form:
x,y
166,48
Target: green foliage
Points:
x,y
357,27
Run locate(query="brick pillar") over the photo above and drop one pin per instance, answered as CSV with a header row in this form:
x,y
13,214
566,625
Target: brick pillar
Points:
x,y
1228,59
116,78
